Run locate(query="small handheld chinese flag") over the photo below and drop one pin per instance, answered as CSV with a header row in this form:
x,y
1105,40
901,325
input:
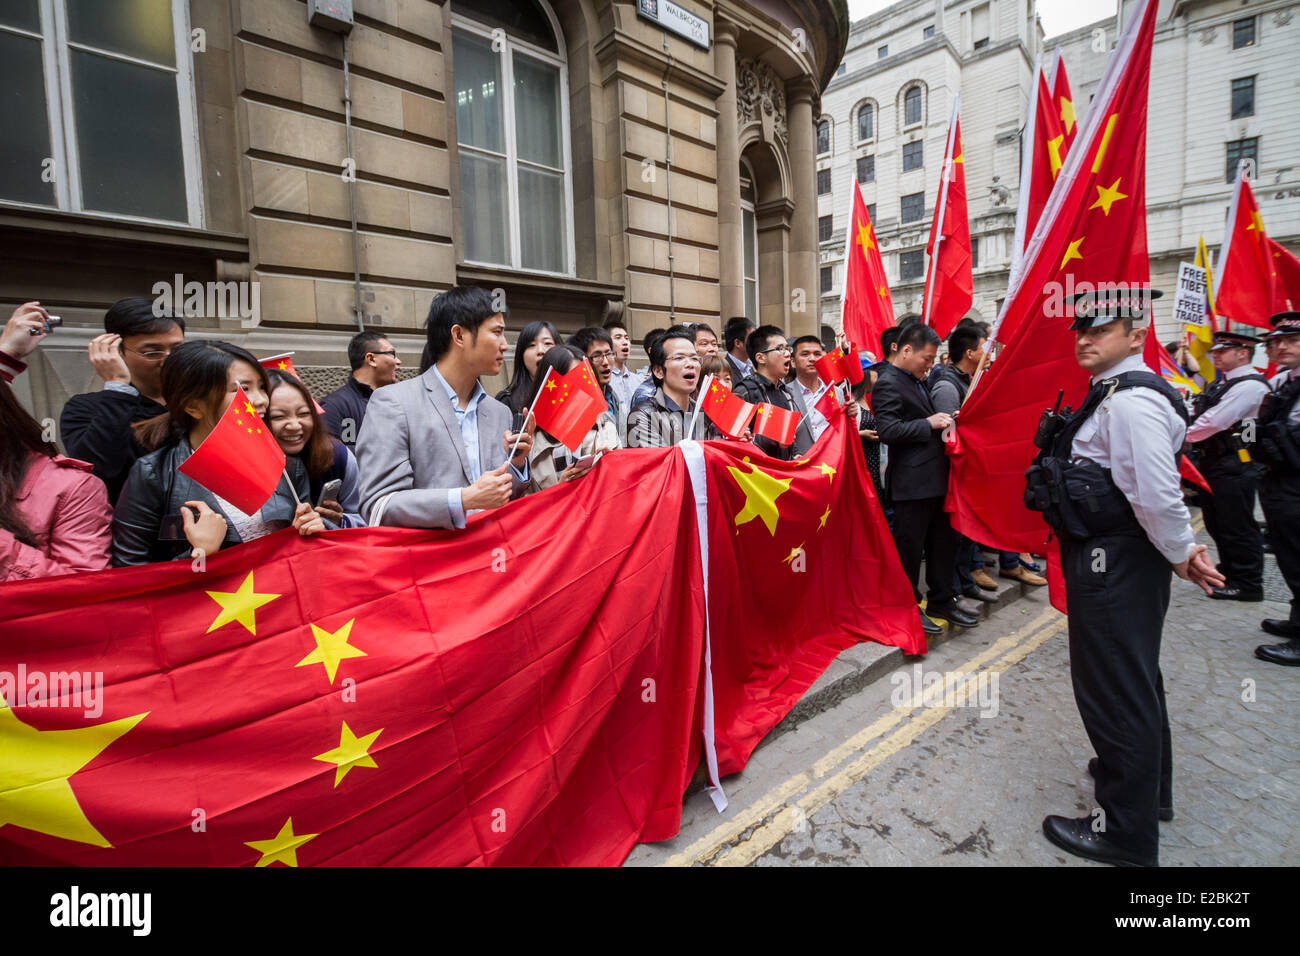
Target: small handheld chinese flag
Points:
x,y
728,411
284,363
565,408
828,402
778,424
239,460
840,365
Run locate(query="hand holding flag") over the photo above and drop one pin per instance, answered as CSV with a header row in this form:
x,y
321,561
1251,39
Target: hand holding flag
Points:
x,y
240,460
778,424
728,411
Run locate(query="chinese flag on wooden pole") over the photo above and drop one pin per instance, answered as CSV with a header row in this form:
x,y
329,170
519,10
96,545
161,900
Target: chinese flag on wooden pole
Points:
x,y
1093,230
949,285
284,363
868,308
239,460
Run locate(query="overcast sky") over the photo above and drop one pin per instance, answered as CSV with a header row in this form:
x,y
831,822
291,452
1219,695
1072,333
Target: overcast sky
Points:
x,y
1058,16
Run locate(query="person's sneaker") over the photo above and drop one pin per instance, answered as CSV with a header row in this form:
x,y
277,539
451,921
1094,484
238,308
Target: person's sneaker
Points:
x,y
1024,575
983,580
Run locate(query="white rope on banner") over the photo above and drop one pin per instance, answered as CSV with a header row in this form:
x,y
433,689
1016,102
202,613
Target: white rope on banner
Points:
x,y
694,456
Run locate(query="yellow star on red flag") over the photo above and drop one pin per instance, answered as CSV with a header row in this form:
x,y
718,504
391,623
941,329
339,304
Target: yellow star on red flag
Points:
x,y
281,848
761,491
239,606
1107,196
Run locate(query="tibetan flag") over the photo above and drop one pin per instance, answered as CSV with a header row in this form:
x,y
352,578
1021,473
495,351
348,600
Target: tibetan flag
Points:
x,y
565,407
239,460
728,411
284,363
1092,231
1162,363
949,286
1247,288
778,424
867,309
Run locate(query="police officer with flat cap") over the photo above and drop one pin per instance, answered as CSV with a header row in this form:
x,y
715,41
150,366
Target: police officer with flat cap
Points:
x,y
1107,481
1278,449
1222,434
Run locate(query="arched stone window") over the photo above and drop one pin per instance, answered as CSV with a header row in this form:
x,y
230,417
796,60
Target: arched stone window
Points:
x,y
865,127
913,107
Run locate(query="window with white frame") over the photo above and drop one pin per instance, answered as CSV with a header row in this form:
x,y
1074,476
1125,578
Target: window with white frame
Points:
x,y
749,239
866,122
912,107
98,108
512,134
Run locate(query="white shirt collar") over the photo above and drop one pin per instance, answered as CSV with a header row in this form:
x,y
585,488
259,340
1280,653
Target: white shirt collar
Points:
x,y
1130,363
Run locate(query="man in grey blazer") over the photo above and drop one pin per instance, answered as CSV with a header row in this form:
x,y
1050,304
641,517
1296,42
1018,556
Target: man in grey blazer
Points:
x,y
433,449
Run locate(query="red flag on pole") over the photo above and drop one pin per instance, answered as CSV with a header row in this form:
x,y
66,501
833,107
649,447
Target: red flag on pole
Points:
x,y
949,286
1063,102
728,411
565,407
1248,287
867,307
239,460
828,402
840,365
1093,230
1287,267
284,363
778,424
1045,147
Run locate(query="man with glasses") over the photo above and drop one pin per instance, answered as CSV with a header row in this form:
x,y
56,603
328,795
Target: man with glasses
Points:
x,y
374,364
598,346
661,420
769,353
96,426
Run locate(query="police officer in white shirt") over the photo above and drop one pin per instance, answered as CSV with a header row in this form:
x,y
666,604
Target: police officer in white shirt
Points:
x,y
1278,448
1222,434
1123,527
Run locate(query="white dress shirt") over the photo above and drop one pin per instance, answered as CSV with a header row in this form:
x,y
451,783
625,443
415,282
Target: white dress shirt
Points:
x,y
623,382
817,422
1240,401
1138,436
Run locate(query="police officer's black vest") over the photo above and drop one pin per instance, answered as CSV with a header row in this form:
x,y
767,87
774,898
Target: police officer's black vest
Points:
x,y
1278,446
1079,499
1221,451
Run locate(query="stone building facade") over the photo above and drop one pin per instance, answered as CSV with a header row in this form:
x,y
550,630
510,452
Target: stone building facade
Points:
x,y
985,50
589,158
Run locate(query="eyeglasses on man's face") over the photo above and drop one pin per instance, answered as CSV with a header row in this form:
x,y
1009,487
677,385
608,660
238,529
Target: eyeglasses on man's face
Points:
x,y
785,349
392,352
154,356
605,356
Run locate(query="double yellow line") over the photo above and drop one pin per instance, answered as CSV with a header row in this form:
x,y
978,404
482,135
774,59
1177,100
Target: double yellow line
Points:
x,y
762,825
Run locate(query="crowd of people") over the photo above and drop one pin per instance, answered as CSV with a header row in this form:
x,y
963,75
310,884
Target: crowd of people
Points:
x,y
428,451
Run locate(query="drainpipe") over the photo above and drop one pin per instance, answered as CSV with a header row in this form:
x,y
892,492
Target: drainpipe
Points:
x,y
668,167
357,310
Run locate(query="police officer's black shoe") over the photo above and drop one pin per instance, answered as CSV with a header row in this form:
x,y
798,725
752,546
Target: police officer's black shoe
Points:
x,y
951,613
1288,654
1235,594
1164,814
1077,837
930,627
1280,628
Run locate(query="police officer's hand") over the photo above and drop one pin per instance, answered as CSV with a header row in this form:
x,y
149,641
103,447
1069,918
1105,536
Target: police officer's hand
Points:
x,y
1200,570
939,421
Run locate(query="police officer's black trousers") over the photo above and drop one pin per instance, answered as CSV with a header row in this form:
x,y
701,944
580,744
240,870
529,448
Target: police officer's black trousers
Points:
x,y
1230,520
1117,587
1279,495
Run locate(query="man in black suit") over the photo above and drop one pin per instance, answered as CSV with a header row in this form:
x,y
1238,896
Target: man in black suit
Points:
x,y
917,476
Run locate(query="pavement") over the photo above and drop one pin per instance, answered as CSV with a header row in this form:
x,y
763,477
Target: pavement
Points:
x,y
878,766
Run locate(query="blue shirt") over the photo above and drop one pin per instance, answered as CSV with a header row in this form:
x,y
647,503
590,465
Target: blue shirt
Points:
x,y
467,422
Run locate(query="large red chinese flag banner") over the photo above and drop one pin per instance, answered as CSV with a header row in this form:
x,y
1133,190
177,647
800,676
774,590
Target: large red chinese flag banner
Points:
x,y
1247,288
524,692
780,610
1097,234
868,308
949,286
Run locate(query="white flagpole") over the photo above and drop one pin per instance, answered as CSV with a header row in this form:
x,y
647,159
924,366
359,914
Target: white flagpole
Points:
x,y
704,389
1026,181
939,212
848,249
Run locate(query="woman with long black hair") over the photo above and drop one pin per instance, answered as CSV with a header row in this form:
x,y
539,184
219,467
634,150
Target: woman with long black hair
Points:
x,y
154,520
549,462
53,512
531,345
300,432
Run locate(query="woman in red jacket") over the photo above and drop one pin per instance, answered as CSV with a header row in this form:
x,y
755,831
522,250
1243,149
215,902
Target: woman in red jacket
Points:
x,y
54,514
